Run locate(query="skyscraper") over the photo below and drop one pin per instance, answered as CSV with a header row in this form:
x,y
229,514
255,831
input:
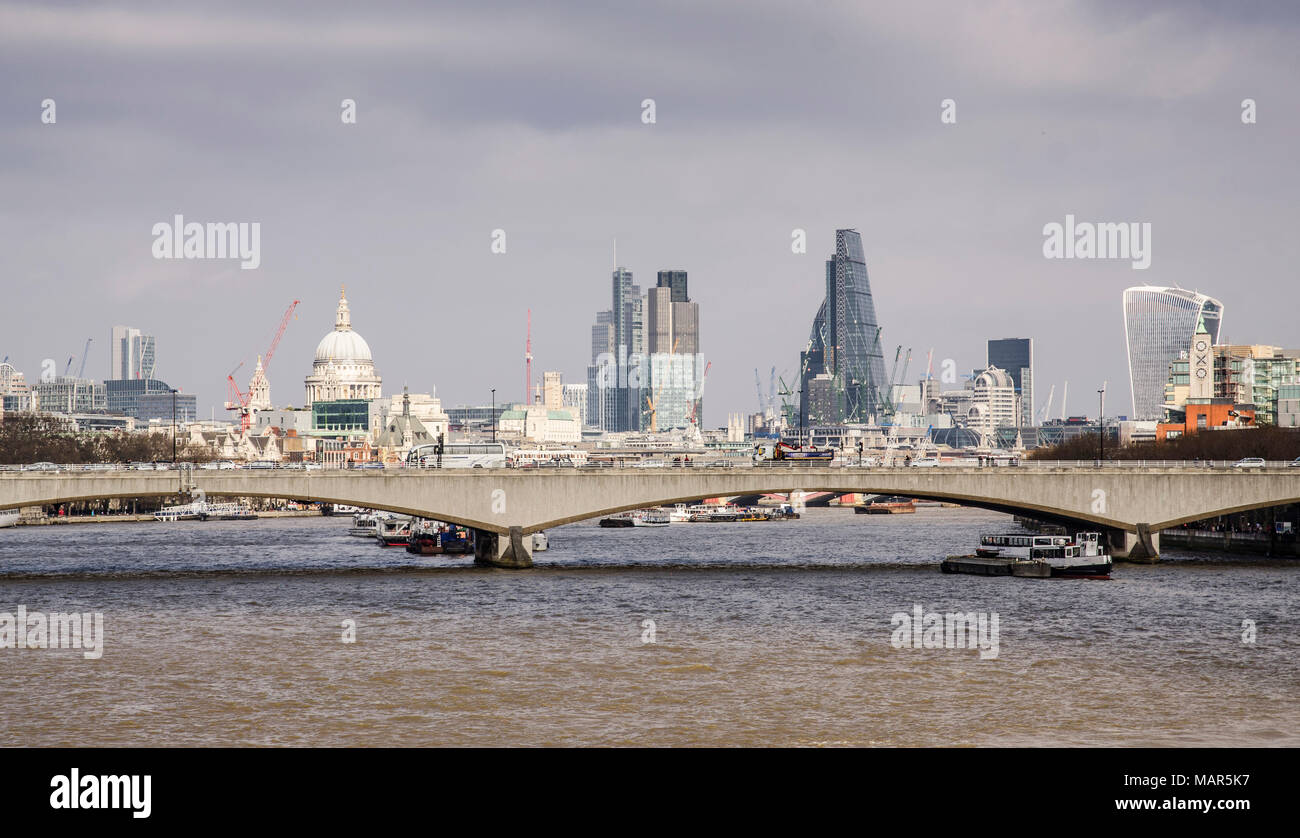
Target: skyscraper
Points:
x,y
131,354
845,341
1158,323
675,281
1016,356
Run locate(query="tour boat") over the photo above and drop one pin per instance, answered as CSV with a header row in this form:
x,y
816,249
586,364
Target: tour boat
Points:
x,y
1084,555
393,532
364,525
637,518
887,505
650,518
9,517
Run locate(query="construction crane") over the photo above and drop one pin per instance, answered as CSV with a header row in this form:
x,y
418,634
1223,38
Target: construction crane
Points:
x,y
68,368
81,373
758,385
787,406
237,400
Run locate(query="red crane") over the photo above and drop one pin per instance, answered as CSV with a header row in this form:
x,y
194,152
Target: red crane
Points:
x,y
236,400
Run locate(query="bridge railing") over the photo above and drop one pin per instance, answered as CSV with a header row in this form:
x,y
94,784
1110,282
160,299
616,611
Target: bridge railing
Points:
x,y
847,463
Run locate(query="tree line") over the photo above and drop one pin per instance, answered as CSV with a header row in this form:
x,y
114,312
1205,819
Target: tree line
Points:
x,y
1266,441
40,437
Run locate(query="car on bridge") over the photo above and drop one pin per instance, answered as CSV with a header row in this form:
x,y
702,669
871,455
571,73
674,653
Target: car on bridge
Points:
x,y
1249,462
926,462
1294,463
41,467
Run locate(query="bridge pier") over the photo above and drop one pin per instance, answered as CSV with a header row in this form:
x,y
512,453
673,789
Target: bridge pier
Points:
x,y
1142,546
513,551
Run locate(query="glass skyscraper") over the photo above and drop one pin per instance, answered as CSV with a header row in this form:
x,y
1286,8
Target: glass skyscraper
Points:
x,y
1158,324
845,340
1016,356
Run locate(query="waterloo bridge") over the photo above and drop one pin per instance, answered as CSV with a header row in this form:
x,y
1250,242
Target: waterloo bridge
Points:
x,y
1131,503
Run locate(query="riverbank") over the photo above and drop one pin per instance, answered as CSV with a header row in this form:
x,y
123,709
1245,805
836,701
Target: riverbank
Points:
x,y
37,521
1241,543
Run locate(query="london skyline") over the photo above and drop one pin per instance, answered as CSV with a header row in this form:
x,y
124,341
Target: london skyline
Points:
x,y
471,122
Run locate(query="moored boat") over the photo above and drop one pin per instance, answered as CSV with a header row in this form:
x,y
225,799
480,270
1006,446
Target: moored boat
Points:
x,y
364,525
393,532
9,517
434,538
1081,556
887,505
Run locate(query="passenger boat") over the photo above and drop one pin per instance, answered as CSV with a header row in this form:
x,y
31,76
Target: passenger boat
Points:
x,y
650,518
364,525
1083,556
9,517
887,505
679,514
540,542
393,532
622,519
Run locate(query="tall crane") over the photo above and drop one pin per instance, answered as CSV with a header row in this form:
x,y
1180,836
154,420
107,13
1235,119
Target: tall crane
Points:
x,y
758,385
81,373
237,400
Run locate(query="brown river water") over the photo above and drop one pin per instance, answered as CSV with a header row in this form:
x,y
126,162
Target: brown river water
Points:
x,y
773,633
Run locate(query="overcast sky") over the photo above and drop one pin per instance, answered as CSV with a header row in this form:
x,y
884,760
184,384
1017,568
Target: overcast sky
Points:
x,y
527,117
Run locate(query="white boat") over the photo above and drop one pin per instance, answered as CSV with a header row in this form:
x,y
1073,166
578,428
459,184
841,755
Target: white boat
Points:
x,y
540,542
364,525
679,514
1083,555
650,518
9,517
393,532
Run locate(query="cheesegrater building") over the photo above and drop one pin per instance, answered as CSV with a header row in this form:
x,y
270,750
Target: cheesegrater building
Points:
x,y
842,371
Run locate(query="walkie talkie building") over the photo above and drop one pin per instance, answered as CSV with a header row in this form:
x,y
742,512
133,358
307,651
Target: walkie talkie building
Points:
x,y
1158,324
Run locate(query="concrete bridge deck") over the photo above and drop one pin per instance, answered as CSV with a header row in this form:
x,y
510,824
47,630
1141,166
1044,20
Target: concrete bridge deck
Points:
x,y
1132,504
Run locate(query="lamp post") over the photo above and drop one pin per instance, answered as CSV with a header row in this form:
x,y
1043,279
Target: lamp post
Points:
x,y
1101,423
173,426
494,414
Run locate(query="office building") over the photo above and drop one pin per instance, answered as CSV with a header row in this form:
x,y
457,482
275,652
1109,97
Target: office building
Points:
x,y
1158,325
1016,357
844,343
130,354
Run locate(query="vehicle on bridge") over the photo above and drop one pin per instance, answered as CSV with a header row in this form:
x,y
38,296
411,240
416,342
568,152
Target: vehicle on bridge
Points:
x,y
458,455
785,452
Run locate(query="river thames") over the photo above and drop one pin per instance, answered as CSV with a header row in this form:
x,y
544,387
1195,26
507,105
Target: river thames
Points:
x,y
773,633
